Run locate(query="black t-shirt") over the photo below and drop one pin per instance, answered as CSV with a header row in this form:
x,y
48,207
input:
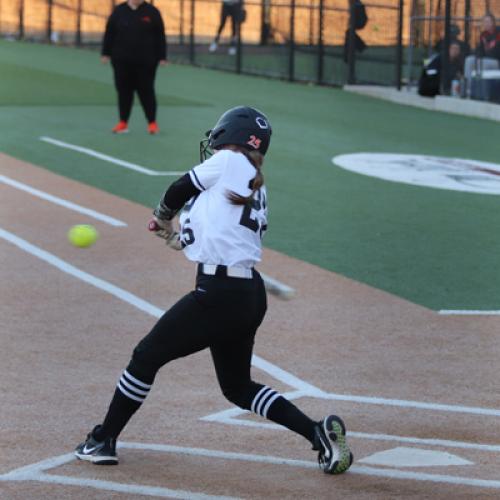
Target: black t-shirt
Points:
x,y
135,36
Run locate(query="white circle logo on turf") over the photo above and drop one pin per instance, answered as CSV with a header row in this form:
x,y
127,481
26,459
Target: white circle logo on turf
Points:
x,y
432,171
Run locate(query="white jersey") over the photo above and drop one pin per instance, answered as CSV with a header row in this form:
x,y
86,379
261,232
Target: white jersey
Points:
x,y
213,230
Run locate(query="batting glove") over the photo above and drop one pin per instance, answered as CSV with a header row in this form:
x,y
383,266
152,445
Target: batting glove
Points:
x,y
164,229
175,242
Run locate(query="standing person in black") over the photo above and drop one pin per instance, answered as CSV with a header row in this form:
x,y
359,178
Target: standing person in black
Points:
x,y
135,42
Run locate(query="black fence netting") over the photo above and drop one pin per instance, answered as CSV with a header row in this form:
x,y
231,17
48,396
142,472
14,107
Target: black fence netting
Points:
x,y
324,41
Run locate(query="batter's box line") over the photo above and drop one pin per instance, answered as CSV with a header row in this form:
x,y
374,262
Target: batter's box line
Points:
x,y
442,443
305,389
37,472
230,416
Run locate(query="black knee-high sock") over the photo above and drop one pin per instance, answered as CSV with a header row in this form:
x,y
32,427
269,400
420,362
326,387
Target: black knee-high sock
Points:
x,y
270,404
130,393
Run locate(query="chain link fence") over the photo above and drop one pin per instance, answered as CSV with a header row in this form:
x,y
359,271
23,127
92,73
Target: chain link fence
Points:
x,y
299,40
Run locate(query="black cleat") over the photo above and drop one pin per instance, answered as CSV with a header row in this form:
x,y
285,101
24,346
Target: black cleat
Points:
x,y
97,452
334,456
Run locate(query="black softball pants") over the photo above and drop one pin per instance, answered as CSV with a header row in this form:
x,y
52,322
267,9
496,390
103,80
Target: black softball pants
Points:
x,y
140,78
221,314
232,11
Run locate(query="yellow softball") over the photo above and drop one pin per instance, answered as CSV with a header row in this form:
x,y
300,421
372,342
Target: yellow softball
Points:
x,y
82,235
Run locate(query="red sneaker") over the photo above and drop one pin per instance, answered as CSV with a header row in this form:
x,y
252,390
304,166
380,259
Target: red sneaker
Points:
x,y
153,128
120,128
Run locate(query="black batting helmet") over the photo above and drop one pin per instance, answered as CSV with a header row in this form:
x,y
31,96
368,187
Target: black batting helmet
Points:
x,y
243,126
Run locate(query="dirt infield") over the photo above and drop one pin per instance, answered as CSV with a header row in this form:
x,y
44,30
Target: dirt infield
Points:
x,y
400,375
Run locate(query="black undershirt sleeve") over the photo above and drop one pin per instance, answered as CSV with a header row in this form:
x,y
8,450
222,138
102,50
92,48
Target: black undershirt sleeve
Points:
x,y
175,197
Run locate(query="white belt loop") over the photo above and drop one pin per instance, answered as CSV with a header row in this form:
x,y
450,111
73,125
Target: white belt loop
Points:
x,y
231,272
239,272
209,269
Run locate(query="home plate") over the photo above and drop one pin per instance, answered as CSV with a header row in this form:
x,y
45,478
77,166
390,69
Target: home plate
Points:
x,y
413,457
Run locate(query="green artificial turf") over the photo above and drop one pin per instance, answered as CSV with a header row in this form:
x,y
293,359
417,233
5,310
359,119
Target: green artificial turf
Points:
x,y
434,247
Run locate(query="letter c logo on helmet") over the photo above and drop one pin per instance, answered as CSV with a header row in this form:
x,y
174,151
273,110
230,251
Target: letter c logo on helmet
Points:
x,y
261,122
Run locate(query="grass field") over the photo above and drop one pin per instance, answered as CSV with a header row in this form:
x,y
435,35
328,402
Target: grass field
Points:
x,y
433,247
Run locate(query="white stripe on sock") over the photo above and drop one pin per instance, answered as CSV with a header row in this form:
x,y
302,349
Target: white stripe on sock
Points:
x,y
129,395
134,389
263,401
256,398
269,403
136,381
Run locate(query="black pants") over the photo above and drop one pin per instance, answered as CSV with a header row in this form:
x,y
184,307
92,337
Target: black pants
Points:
x,y
221,314
140,78
232,11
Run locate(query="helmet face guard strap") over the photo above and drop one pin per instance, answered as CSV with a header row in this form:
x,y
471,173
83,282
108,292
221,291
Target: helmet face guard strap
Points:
x,y
205,149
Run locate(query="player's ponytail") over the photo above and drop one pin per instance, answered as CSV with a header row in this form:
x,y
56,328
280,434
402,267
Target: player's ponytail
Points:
x,y
256,159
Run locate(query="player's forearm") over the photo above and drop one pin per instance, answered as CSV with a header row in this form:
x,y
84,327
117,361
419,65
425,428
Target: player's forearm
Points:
x,y
175,197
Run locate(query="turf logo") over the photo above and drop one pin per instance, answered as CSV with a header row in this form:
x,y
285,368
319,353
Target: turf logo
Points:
x,y
439,172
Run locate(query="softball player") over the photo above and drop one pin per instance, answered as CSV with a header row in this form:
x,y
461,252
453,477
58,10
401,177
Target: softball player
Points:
x,y
224,216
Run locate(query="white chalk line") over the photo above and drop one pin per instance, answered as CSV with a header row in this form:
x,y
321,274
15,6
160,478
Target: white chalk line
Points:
x,y
401,403
355,469
104,157
62,202
492,412
445,443
67,268
229,416
127,488
468,312
286,377
35,472
43,465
